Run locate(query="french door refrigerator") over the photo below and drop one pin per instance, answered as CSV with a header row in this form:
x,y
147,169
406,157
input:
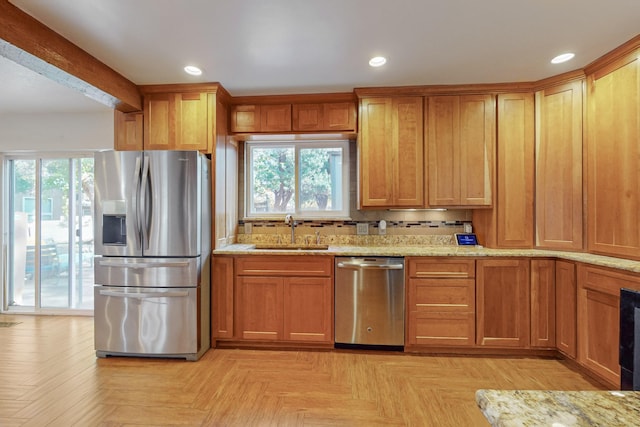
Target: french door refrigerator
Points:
x,y
152,245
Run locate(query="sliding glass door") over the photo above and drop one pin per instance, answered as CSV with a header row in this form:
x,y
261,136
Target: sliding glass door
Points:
x,y
50,233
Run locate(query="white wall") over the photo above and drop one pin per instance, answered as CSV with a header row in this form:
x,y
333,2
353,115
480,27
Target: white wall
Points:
x,y
56,132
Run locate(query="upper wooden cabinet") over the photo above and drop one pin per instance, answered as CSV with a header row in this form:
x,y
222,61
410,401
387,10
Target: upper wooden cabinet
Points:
x,y
460,150
391,152
329,116
128,131
559,167
613,153
261,118
176,121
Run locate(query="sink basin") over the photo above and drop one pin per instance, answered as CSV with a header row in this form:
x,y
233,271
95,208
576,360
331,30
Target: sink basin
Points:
x,y
291,246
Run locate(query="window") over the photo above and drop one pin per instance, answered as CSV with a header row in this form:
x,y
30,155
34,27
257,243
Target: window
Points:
x,y
49,218
307,179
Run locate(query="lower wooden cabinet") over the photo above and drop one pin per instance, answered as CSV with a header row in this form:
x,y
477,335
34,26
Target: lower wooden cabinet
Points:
x,y
566,294
441,302
503,302
282,298
599,319
543,306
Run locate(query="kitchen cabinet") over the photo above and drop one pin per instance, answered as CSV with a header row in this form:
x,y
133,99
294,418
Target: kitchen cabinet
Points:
x,y
441,302
177,121
225,190
599,319
509,224
222,277
566,308
559,167
255,118
460,150
503,302
128,131
543,303
328,116
287,299
613,155
391,152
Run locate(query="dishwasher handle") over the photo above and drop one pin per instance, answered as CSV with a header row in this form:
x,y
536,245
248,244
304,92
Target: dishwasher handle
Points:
x,y
369,266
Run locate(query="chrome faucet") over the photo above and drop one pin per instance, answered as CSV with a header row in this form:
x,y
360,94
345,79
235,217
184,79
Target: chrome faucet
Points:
x,y
290,221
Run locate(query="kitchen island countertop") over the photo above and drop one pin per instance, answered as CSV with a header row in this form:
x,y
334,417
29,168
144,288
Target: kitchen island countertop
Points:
x,y
522,408
442,250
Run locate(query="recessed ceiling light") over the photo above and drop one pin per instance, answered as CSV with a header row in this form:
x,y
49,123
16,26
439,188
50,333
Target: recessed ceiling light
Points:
x,y
193,70
562,58
377,61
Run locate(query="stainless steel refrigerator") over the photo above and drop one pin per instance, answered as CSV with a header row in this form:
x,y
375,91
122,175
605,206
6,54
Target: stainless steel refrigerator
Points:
x,y
152,244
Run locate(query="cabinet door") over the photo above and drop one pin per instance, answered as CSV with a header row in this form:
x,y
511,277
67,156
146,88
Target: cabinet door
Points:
x,y
307,117
245,118
128,131
543,307
599,319
559,167
460,150
407,135
566,294
376,150
191,123
222,298
159,121
259,306
308,309
275,118
613,152
515,170
502,302
339,116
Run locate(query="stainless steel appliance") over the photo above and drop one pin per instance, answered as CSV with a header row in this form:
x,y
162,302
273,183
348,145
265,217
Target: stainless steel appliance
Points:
x,y
153,245
369,301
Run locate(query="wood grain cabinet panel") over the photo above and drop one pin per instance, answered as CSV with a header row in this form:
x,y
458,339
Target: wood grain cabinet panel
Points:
x,y
441,302
559,167
599,319
319,117
503,302
259,307
275,118
391,152
128,131
566,308
308,309
460,150
245,118
613,153
543,303
222,276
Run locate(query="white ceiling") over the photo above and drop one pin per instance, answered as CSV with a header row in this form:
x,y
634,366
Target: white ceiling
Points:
x,y
256,47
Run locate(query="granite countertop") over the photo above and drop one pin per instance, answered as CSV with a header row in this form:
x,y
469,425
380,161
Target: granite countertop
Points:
x,y
448,251
525,408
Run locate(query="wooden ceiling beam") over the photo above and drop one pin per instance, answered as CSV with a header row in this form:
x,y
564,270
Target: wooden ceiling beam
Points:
x,y
35,46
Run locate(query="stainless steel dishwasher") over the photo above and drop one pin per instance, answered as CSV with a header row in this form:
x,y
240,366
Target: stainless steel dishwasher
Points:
x,y
369,302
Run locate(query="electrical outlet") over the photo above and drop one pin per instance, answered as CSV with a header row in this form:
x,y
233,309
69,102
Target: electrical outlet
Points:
x,y
248,228
362,228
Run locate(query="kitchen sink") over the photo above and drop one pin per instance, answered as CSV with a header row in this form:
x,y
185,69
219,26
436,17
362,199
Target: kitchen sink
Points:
x,y
291,246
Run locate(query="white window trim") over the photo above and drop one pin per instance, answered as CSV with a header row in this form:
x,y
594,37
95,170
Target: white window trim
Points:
x,y
298,145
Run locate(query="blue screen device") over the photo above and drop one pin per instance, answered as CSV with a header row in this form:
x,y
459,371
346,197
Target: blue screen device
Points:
x,y
466,239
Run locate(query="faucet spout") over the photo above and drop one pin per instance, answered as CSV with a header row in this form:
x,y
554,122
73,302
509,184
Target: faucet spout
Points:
x,y
289,220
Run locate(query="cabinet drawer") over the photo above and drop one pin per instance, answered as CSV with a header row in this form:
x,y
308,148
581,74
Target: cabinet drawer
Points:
x,y
441,267
436,295
257,265
447,329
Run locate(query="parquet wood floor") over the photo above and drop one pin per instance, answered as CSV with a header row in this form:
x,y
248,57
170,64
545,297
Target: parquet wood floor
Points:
x,y
49,376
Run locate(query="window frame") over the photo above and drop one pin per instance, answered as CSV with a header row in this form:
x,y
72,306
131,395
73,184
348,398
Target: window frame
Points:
x,y
342,214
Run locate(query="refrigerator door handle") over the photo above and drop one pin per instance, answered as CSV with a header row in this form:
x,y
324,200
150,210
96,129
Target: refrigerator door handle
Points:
x,y
144,222
136,200
143,295
143,264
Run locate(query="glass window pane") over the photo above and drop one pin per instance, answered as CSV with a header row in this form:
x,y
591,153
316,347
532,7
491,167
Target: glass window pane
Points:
x,y
22,178
320,179
272,179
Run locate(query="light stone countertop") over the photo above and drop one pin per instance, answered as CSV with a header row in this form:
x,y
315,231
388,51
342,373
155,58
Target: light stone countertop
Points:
x,y
523,408
445,251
